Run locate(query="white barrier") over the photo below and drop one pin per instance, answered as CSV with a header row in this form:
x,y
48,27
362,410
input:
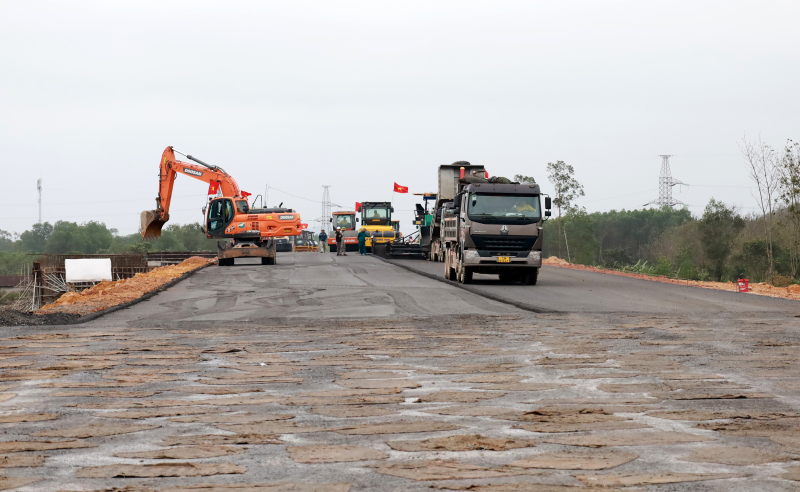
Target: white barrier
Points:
x,y
88,270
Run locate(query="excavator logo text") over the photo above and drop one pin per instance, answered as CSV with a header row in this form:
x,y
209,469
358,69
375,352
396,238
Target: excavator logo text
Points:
x,y
192,172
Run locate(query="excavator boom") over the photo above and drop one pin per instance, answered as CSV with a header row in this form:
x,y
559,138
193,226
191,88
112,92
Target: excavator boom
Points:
x,y
152,221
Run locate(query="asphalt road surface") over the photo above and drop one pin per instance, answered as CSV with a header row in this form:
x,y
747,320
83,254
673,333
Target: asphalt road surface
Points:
x,y
578,291
350,373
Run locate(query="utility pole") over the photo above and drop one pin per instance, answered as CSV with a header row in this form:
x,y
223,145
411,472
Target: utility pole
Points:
x,y
39,187
665,184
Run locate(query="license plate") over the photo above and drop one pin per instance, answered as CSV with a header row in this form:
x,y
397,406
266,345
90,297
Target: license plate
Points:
x,y
504,259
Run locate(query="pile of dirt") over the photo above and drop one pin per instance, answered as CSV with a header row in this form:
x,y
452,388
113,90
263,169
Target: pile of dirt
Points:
x,y
107,294
763,289
11,317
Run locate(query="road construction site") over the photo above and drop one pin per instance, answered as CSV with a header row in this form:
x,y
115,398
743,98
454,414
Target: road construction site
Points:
x,y
338,373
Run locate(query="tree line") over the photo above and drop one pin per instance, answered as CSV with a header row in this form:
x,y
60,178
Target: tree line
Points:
x,y
93,238
721,244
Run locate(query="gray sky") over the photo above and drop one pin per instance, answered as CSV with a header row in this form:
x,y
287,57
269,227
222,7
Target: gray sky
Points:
x,y
358,95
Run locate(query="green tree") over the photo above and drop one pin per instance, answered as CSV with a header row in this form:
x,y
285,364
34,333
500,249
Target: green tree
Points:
x,y
762,163
719,227
7,242
35,239
789,196
566,190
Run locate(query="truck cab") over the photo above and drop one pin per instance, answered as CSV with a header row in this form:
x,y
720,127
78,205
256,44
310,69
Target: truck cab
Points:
x,y
494,228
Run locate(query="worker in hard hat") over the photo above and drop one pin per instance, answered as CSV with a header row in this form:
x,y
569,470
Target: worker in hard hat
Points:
x,y
362,241
340,242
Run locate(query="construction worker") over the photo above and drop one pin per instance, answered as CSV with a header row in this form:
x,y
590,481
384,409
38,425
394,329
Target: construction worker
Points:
x,y
323,240
362,241
522,206
340,242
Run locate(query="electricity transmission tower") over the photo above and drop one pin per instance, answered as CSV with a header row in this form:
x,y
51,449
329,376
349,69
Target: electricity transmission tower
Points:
x,y
326,207
665,184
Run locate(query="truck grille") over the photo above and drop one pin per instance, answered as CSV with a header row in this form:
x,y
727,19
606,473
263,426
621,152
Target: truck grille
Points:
x,y
504,243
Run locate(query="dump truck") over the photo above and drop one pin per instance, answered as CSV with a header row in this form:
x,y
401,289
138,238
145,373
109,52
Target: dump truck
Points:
x,y
347,220
243,231
491,226
449,174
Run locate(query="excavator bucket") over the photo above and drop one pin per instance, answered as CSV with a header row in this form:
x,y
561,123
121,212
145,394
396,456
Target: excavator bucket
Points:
x,y
152,224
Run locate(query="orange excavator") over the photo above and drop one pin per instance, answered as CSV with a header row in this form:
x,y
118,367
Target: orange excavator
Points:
x,y
247,232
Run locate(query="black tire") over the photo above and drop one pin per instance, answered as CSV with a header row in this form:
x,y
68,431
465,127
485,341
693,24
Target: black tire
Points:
x,y
531,276
226,262
267,261
333,248
466,275
449,272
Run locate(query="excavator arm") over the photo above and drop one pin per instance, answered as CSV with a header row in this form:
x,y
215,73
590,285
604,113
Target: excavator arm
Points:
x,y
154,220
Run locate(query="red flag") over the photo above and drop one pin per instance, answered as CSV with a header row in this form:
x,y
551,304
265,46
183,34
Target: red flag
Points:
x,y
303,226
400,189
213,187
358,206
245,194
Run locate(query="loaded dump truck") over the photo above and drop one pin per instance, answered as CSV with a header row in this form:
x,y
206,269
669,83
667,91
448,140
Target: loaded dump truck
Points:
x,y
431,236
492,225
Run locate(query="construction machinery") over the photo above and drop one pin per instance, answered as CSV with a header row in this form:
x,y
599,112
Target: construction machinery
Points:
x,y
376,219
449,174
492,226
243,232
305,242
423,220
347,220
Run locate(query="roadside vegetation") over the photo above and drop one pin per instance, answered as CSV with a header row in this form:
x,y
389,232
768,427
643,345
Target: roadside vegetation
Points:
x,y
92,238
722,244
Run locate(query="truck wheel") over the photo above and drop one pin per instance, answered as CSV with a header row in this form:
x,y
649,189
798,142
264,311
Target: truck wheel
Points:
x,y
531,276
466,275
449,272
333,248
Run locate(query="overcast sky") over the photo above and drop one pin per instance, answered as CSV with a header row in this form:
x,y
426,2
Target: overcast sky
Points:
x,y
358,95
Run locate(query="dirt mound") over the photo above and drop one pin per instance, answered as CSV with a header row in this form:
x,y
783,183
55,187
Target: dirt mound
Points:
x,y
107,294
11,317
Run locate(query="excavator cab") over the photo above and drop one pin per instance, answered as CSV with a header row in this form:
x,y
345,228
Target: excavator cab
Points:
x,y
220,216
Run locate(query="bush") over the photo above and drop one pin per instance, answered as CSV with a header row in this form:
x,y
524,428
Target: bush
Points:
x,y
687,270
663,267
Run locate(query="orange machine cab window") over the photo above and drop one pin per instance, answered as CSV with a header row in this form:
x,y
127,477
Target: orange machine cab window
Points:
x,y
242,207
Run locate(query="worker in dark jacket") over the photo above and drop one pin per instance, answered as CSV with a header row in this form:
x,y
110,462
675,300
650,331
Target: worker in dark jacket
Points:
x,y
362,241
340,242
323,240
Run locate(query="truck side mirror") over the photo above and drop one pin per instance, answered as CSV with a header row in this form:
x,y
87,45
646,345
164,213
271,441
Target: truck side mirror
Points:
x,y
392,209
547,213
356,219
547,203
331,219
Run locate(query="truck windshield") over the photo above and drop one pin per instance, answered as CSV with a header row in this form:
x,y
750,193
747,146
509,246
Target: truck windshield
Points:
x,y
524,207
344,221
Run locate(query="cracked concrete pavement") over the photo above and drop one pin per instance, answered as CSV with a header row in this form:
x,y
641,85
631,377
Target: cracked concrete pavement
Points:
x,y
350,373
